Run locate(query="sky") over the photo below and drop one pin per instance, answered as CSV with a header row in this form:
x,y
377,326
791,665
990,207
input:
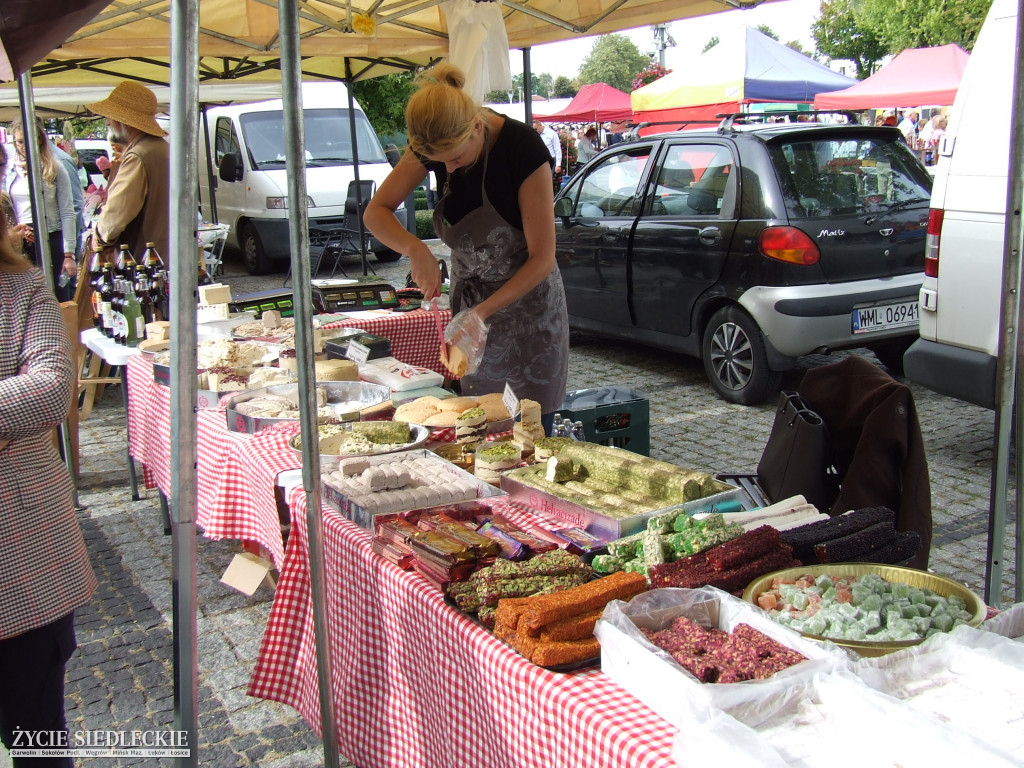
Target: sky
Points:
x,y
789,19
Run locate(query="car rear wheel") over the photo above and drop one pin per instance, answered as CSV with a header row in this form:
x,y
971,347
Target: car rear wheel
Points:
x,y
735,359
253,255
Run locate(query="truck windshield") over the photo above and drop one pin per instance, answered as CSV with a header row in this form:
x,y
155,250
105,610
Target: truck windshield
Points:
x,y
328,139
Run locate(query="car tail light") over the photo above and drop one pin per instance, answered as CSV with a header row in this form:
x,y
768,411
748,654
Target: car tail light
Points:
x,y
789,244
931,247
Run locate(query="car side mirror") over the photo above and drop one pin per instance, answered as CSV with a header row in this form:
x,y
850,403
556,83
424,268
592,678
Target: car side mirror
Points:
x,y
563,208
231,167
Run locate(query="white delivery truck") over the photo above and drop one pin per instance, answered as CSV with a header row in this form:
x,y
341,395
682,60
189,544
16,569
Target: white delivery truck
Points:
x,y
957,352
245,147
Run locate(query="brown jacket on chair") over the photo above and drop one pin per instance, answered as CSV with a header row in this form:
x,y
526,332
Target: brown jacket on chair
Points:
x,y
876,441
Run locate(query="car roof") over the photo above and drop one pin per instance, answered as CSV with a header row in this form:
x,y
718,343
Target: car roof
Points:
x,y
767,131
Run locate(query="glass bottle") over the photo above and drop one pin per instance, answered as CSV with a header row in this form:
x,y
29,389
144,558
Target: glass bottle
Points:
x,y
558,426
128,265
577,431
117,307
142,292
134,325
107,297
567,429
151,262
95,278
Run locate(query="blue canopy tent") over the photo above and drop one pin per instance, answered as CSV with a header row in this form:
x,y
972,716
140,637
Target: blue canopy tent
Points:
x,y
746,68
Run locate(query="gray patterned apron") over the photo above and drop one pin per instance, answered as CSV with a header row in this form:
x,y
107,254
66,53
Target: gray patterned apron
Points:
x,y
527,341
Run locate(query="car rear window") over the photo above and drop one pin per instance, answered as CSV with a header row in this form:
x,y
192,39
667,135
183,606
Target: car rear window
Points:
x,y
824,176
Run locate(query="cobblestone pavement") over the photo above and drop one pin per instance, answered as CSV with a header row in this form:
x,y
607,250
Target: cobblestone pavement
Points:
x,y
121,676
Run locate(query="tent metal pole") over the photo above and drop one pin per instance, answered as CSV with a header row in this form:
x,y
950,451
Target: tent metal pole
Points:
x,y
183,246
298,235
1008,381
211,177
527,88
35,190
349,83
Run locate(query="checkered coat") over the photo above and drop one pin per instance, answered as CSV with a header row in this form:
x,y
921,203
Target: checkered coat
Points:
x,y
44,567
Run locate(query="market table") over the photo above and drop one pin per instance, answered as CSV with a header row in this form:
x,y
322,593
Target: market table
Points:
x,y
113,354
413,334
418,683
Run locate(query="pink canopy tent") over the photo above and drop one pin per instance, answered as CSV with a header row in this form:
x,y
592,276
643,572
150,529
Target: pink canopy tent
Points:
x,y
916,77
595,103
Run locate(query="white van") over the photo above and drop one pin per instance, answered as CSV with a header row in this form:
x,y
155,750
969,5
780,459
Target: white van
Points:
x,y
959,328
246,153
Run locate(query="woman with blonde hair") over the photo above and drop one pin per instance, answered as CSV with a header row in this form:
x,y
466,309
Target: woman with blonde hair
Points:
x,y
44,565
496,213
59,221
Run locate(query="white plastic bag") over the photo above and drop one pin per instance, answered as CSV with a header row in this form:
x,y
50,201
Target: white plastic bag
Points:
x,y
478,45
465,338
675,693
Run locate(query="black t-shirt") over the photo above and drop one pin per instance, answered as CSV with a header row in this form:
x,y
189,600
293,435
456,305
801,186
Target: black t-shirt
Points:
x,y
518,152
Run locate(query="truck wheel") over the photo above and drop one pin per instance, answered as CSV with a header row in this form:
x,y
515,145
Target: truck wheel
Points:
x,y
735,360
890,354
387,256
253,255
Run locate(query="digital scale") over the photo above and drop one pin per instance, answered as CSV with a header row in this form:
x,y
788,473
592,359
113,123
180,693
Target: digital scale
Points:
x,y
261,301
352,293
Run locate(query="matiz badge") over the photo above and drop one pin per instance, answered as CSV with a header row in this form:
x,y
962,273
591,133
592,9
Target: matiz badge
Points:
x,y
832,233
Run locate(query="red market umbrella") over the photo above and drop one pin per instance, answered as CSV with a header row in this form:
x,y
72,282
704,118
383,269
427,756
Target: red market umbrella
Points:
x,y
597,103
31,29
915,77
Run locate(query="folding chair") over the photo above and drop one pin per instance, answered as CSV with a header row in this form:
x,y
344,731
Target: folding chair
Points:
x,y
352,236
213,250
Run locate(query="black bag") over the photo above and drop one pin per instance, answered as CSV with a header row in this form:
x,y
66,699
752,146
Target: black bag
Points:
x,y
797,458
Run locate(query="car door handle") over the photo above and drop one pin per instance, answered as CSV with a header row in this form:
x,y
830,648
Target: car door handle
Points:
x,y
710,235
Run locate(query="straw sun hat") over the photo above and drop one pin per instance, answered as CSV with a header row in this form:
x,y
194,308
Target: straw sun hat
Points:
x,y
133,104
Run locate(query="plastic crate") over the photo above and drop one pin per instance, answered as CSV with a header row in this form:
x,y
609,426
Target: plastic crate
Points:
x,y
618,416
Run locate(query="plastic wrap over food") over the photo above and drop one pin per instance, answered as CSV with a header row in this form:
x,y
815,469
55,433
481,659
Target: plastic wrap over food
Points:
x,y
970,679
750,701
836,722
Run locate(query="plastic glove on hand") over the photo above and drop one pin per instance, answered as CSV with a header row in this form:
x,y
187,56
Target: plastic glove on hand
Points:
x,y
465,339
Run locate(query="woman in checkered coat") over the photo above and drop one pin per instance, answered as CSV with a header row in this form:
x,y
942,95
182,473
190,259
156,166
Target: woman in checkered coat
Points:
x,y
44,567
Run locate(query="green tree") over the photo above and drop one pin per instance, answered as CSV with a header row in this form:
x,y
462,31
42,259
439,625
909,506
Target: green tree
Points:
x,y
543,84
563,88
711,43
384,99
764,29
614,60
838,34
922,23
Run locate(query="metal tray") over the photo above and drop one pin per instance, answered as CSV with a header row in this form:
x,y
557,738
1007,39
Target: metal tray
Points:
x,y
338,392
420,437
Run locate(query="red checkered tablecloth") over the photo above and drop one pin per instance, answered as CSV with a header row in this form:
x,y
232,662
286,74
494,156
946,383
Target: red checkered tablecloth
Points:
x,y
413,335
418,684
236,472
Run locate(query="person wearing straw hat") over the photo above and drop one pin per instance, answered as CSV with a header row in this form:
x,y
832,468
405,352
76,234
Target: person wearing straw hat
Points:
x,y
138,196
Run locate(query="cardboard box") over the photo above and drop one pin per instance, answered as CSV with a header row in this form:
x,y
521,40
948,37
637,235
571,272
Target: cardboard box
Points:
x,y
365,519
611,528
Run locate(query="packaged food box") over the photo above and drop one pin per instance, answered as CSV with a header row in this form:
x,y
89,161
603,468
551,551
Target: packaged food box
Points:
x,y
365,518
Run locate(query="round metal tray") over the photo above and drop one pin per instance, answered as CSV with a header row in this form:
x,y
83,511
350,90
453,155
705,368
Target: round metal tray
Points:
x,y
338,393
420,436
892,573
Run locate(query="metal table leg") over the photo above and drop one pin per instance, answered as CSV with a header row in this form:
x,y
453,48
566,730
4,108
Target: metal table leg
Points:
x,y
127,434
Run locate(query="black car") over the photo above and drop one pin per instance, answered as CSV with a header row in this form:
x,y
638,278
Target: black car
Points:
x,y
749,245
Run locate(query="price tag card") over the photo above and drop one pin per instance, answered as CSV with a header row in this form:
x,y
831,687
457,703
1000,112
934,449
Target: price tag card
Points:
x,y
357,352
510,400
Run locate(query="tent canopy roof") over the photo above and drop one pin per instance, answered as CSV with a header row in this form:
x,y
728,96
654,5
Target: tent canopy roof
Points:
x,y
595,103
238,38
915,77
746,67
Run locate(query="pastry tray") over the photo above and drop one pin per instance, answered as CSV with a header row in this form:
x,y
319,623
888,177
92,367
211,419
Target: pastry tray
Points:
x,y
365,519
603,526
338,392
